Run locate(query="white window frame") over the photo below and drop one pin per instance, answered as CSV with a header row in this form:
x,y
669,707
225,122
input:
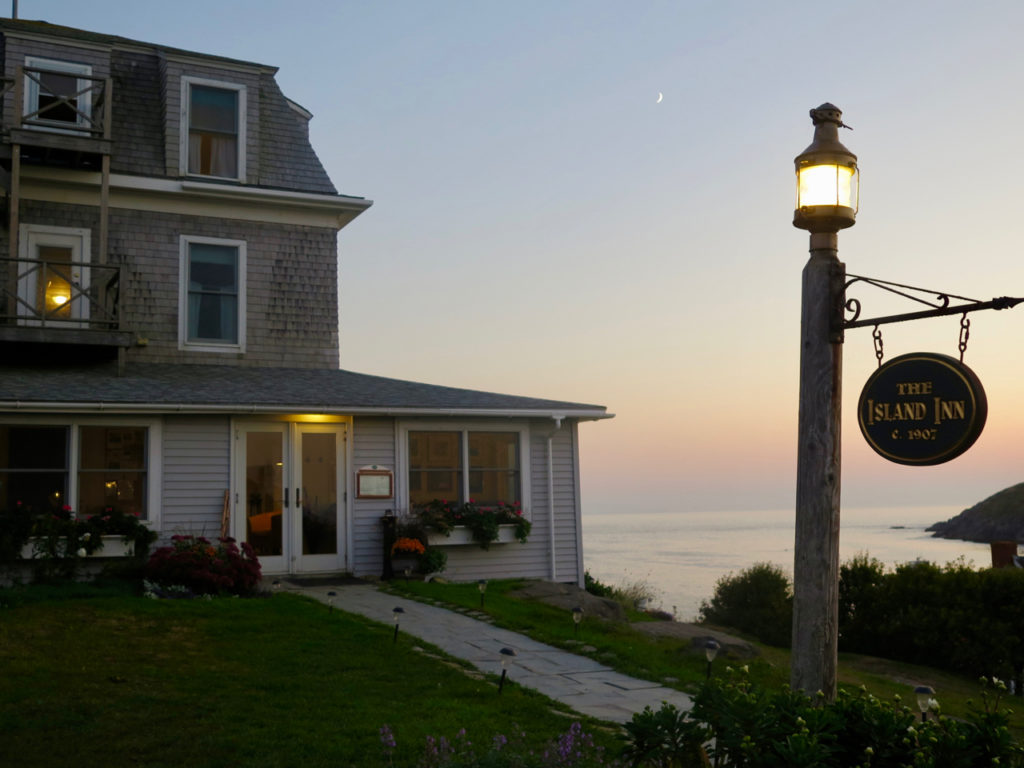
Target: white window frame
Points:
x,y
185,126
31,97
183,265
465,427
79,240
154,453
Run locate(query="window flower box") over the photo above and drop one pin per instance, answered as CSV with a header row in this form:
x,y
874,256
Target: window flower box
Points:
x,y
113,546
461,535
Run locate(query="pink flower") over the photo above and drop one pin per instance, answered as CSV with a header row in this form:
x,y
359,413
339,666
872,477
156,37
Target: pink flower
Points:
x,y
66,507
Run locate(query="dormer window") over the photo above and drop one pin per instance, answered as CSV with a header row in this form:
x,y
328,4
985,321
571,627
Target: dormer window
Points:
x,y
213,129
54,96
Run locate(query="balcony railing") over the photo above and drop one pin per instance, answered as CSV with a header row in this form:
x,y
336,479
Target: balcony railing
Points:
x,y
60,101
38,295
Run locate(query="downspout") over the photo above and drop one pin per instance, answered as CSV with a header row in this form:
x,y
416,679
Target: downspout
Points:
x,y
551,496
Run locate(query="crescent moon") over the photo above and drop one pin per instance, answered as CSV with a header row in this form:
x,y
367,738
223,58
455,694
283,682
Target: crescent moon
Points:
x,y
660,97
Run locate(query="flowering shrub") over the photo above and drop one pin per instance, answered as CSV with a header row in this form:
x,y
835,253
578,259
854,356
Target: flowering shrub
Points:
x,y
204,568
482,520
59,537
741,724
573,749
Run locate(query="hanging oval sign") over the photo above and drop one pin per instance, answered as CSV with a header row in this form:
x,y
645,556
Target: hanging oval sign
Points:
x,y
922,409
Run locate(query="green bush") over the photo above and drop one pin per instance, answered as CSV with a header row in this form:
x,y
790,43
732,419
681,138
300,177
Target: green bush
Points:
x,y
952,617
758,600
746,726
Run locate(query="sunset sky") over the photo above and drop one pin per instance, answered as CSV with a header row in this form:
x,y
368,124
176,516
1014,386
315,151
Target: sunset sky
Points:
x,y
543,226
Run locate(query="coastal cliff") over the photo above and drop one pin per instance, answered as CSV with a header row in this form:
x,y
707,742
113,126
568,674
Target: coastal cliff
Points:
x,y
1000,517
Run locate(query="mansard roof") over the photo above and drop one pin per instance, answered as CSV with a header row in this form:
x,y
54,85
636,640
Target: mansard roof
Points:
x,y
34,27
171,388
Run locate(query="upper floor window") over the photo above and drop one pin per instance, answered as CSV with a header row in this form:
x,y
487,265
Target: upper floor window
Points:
x,y
212,300
213,132
55,97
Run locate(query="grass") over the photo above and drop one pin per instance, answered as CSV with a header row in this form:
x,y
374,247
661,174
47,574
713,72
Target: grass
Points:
x,y
668,661
108,679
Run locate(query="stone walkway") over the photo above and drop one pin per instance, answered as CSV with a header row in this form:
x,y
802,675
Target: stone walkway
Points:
x,y
582,683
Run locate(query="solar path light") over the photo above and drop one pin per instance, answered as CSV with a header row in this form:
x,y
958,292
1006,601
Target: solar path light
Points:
x,y
482,586
711,648
396,612
577,618
506,655
925,700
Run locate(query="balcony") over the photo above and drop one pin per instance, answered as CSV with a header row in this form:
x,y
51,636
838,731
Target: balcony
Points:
x,y
72,303
58,117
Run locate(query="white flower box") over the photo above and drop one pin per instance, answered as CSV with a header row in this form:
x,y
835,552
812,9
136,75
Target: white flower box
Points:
x,y
461,535
113,546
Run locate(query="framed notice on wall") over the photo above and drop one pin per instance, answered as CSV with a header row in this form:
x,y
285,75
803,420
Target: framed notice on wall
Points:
x,y
375,483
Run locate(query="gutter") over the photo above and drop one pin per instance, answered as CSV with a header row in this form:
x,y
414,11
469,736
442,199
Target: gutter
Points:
x,y
551,496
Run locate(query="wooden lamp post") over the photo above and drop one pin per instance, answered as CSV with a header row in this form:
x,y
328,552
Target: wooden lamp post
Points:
x,y
827,200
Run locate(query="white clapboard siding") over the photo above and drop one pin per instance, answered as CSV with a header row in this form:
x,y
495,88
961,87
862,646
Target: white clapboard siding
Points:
x,y
196,473
373,443
533,559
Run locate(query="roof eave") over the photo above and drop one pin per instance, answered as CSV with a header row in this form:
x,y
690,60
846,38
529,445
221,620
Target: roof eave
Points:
x,y
584,414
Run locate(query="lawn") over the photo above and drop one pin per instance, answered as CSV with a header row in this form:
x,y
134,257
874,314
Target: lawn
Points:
x,y
113,679
670,662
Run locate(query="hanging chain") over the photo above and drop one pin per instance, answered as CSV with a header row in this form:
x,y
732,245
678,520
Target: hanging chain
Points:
x,y
877,336
965,334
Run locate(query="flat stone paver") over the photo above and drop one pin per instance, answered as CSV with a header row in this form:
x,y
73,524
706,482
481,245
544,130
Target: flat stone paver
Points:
x,y
580,682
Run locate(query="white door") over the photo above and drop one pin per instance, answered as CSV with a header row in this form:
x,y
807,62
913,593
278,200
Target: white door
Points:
x,y
290,495
53,276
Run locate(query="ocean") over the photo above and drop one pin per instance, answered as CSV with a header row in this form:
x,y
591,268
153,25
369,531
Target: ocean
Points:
x,y
682,554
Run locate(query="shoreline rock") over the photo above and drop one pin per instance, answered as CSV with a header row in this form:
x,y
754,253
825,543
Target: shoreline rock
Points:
x,y
1000,517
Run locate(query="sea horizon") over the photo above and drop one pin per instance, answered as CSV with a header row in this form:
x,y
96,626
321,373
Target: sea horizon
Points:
x,y
681,555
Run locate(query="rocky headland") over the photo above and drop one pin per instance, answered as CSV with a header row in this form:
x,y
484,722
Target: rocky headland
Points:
x,y
1000,517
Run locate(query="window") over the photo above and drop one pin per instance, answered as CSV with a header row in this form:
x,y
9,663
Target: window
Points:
x,y
212,301
88,466
55,97
213,132
484,466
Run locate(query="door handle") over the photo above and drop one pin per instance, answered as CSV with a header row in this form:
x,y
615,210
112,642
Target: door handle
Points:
x,y
286,498
298,497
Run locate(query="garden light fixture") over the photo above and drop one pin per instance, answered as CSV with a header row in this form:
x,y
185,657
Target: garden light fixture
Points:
x,y
397,611
925,700
482,586
506,655
577,618
330,600
711,648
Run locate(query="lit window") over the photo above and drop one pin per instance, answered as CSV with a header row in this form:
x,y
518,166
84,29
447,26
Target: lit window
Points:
x,y
212,293
215,118
437,458
111,465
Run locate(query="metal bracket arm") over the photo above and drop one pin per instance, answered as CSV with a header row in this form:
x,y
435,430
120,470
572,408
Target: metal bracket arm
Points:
x,y
939,305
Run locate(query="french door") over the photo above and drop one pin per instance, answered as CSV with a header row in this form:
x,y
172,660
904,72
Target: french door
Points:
x,y
290,494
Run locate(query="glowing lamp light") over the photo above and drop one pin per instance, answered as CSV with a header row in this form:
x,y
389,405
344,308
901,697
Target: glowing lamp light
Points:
x,y
827,177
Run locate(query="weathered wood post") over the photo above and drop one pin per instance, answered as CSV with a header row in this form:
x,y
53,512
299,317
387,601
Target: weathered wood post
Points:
x,y
826,202
819,469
